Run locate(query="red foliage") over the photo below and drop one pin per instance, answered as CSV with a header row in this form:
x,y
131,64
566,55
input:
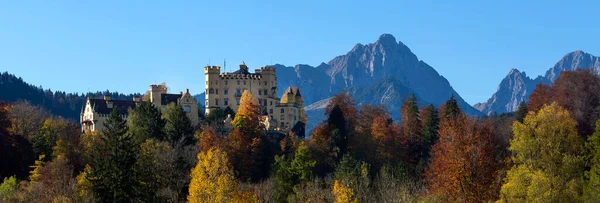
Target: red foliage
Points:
x,y
541,95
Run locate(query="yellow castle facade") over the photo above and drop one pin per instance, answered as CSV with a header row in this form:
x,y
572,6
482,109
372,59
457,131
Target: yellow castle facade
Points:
x,y
224,90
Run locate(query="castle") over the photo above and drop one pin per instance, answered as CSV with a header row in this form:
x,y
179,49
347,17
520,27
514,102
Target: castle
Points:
x,y
224,90
96,111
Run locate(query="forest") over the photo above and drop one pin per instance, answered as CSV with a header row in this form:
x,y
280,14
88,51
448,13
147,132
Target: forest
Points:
x,y
546,151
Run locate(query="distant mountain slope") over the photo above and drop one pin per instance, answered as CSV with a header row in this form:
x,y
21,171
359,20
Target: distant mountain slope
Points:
x,y
67,105
516,86
368,72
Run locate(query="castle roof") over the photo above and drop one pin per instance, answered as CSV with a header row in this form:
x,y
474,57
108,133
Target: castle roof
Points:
x,y
168,98
100,106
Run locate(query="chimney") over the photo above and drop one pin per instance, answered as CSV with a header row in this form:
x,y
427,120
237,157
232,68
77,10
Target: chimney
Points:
x,y
107,97
137,99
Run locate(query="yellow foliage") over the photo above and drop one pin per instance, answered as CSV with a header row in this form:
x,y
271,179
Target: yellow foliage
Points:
x,y
343,193
244,197
212,178
548,158
35,173
84,186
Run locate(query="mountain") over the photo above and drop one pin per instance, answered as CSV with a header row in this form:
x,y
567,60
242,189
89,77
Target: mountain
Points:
x,y
516,86
383,72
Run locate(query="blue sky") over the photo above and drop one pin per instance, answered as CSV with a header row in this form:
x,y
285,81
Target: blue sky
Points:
x,y
76,46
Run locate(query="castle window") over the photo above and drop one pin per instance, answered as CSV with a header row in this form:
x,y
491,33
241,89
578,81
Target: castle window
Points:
x,y
237,100
271,103
216,91
282,110
259,92
238,92
225,82
211,91
226,101
265,91
270,111
238,82
282,117
207,102
265,82
216,102
187,108
244,82
216,82
206,83
225,91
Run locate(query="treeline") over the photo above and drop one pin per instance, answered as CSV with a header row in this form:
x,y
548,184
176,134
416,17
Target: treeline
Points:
x,y
66,105
549,151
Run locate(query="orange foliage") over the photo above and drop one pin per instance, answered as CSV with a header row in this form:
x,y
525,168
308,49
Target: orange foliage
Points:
x,y
541,95
462,166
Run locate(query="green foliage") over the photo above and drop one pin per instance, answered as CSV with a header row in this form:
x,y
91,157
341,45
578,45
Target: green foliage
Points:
x,y
178,127
592,185
521,112
145,122
8,189
450,110
156,171
113,175
289,173
431,122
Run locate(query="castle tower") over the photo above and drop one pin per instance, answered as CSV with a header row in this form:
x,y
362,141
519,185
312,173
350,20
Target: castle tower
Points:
x,y
212,81
155,94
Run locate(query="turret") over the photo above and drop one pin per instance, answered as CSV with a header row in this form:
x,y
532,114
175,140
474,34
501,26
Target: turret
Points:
x,y
155,94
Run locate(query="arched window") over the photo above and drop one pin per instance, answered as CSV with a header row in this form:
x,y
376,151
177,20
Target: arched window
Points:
x,y
187,108
282,110
211,91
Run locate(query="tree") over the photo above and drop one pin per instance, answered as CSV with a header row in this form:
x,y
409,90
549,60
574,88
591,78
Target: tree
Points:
x,y
156,170
462,165
16,153
450,110
212,178
343,193
113,175
49,182
27,119
412,132
430,119
548,161
579,93
178,127
291,172
8,189
592,185
541,95
144,121
246,141
521,112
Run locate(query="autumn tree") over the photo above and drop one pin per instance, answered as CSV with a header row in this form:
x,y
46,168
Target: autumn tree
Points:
x,y
548,161
178,127
541,95
579,93
212,178
343,193
246,141
27,119
16,153
49,182
462,165
592,185
156,172
144,121
113,177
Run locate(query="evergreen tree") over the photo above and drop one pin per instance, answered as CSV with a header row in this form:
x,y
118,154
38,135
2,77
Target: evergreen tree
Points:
x,y
412,129
113,176
521,112
450,110
289,173
430,120
178,127
337,123
144,122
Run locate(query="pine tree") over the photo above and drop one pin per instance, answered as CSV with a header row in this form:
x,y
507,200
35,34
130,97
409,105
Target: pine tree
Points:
x,y
289,173
521,112
412,129
430,120
178,127
113,175
144,122
450,109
